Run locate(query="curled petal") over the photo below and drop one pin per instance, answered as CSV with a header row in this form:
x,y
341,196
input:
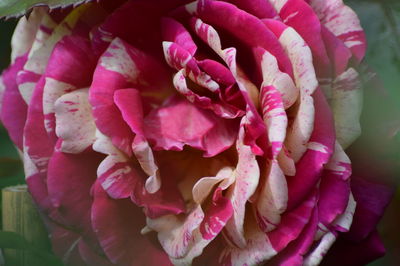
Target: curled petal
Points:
x,y
272,76
122,66
223,110
175,32
246,181
121,178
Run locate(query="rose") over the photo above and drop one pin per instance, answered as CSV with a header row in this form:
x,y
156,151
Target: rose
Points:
x,y
224,121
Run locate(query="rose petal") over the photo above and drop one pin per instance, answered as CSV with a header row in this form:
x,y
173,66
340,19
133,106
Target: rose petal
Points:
x,y
13,108
202,129
121,178
301,17
272,76
294,252
258,8
328,239
343,22
246,181
334,187
337,51
69,180
293,223
117,224
319,151
122,66
25,32
372,199
75,124
211,11
221,109
175,32
346,103
304,76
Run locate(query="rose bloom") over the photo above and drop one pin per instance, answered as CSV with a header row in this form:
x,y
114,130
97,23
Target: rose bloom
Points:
x,y
208,132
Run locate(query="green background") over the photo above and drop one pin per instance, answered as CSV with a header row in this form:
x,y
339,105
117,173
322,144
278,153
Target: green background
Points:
x,y
381,21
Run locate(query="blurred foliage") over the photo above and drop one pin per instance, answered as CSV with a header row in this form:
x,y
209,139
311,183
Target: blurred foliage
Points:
x,y
15,8
381,22
37,256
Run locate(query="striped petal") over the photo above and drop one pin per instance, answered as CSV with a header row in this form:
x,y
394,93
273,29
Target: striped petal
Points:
x,y
75,123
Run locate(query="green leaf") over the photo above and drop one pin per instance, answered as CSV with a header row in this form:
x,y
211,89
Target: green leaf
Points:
x,y
16,8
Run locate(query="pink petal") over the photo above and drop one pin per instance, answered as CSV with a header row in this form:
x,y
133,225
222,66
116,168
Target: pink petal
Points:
x,y
293,223
334,187
179,58
13,107
117,224
319,151
275,118
255,128
343,22
130,104
122,66
69,180
211,11
294,252
258,8
305,80
272,76
216,216
175,32
202,129
337,51
372,200
328,238
221,109
37,143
